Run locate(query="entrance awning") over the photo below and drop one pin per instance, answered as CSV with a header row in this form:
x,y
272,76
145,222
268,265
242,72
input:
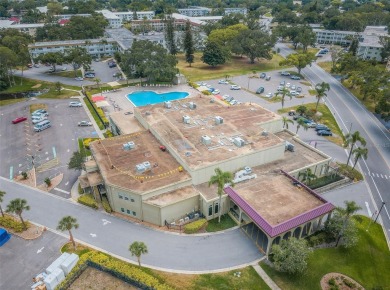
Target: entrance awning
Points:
x,y
98,98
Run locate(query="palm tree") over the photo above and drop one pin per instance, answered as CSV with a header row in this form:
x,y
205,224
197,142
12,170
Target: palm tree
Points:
x,y
17,206
286,121
2,193
137,249
320,91
301,122
220,179
307,176
350,208
359,153
97,81
352,139
284,92
68,223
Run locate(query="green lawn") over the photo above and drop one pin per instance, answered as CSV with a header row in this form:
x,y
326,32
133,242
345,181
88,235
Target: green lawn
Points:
x,y
370,104
325,65
69,73
326,119
226,223
236,66
368,263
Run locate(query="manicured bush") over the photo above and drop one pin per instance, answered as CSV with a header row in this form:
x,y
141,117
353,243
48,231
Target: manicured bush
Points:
x,y
207,93
349,283
192,84
195,226
47,181
106,205
11,223
347,171
332,282
88,200
80,190
108,134
122,270
86,142
24,175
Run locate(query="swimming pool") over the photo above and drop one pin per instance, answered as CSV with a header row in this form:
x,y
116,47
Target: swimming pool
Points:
x,y
143,98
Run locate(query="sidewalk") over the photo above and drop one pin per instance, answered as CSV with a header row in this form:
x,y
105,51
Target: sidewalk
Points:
x,y
96,127
271,284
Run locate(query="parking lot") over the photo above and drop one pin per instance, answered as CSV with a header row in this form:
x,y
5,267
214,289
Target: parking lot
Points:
x,y
51,149
24,259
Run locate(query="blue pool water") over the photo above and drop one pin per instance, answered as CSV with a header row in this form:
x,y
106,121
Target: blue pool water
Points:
x,y
143,98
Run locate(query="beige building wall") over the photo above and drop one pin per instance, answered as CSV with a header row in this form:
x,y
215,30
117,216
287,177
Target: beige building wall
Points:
x,y
273,126
173,211
205,206
152,214
124,201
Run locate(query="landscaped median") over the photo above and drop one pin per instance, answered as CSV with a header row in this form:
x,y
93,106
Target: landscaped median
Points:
x,y
368,262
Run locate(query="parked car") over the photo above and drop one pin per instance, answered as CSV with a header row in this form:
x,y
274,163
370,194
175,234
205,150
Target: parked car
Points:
x,y
79,79
293,87
260,90
84,123
224,97
18,120
294,93
285,73
282,83
311,124
294,77
40,111
64,69
269,95
89,75
235,87
36,65
291,113
42,126
38,114
216,92
36,120
233,102
75,104
29,65
262,75
288,85
324,133
224,82
280,88
299,89
268,78
321,127
51,69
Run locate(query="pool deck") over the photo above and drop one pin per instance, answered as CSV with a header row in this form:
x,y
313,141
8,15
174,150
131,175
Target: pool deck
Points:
x,y
119,102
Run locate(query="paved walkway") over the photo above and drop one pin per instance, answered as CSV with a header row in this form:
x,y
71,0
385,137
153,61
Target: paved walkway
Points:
x,y
271,284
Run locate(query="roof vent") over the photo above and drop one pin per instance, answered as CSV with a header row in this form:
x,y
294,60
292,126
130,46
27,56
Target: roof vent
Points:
x,y
218,120
264,133
239,142
168,104
186,119
192,105
206,140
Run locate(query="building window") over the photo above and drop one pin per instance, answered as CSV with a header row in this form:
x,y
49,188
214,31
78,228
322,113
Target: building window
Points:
x,y
120,196
126,198
210,210
216,207
134,213
122,209
132,200
128,211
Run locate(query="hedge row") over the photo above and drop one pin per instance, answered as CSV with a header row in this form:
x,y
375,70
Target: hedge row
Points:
x,y
106,205
11,223
122,270
195,226
347,171
88,200
98,110
192,84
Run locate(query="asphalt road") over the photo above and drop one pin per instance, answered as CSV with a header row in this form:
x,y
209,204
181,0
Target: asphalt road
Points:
x,y
350,113
19,142
166,250
21,260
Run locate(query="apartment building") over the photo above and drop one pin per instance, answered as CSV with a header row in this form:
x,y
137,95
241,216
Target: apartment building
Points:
x,y
30,29
195,11
238,10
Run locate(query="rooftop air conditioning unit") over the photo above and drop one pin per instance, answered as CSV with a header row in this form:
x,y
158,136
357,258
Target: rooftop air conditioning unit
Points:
x,y
218,120
264,133
126,147
239,142
131,144
192,105
147,165
206,140
186,119
290,147
168,104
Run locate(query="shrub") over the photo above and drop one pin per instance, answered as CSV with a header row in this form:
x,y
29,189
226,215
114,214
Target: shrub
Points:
x,y
192,84
80,190
106,205
24,175
332,282
47,181
86,142
108,134
349,283
11,223
195,226
122,270
88,200
206,93
347,171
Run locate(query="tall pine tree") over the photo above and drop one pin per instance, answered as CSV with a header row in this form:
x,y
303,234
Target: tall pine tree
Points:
x,y
170,37
189,44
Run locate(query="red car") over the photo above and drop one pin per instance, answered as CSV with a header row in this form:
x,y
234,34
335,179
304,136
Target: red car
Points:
x,y
18,120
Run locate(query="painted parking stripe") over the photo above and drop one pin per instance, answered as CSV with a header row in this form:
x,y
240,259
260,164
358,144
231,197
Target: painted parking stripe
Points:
x,y
11,172
377,175
386,176
381,175
54,152
61,190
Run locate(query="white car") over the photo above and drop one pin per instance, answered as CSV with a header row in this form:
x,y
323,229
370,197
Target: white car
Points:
x,y
233,102
203,84
84,123
293,87
36,120
215,92
235,87
64,69
208,86
224,82
294,93
288,85
75,104
269,95
224,97
79,79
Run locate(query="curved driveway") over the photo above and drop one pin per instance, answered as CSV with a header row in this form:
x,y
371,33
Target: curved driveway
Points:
x,y
168,251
